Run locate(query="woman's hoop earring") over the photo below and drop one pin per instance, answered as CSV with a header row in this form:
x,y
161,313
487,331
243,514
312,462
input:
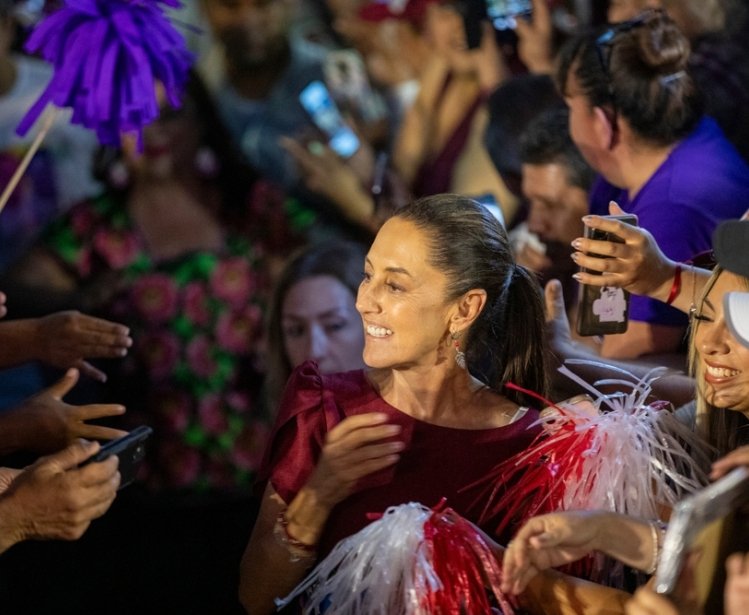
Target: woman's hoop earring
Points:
x,y
460,356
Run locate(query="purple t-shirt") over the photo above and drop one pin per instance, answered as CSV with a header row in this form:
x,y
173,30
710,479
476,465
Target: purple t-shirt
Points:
x,y
702,182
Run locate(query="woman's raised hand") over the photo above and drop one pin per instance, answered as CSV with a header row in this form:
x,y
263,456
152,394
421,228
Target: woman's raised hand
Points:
x,y
545,542
359,445
637,265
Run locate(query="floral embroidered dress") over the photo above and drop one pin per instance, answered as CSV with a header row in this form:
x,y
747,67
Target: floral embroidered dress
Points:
x,y
196,322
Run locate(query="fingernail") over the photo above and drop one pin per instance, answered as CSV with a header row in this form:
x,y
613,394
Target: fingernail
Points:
x,y
577,277
577,243
574,256
393,429
587,218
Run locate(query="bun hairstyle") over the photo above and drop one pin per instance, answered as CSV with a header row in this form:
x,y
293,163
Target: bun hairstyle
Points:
x,y
638,69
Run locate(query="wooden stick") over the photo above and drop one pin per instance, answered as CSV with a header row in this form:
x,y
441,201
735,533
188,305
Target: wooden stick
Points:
x,y
35,145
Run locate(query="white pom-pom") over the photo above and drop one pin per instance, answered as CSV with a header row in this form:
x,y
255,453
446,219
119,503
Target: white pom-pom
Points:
x,y
384,569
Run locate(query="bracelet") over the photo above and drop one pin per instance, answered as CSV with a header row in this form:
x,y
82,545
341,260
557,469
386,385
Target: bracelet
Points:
x,y
675,287
297,549
657,529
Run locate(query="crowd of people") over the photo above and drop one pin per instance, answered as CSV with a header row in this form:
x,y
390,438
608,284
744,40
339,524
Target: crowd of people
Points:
x,y
327,305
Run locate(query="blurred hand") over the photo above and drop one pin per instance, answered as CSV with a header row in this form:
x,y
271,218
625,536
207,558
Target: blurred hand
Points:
x,y
7,476
3,308
647,602
533,259
734,459
353,449
54,498
393,52
535,38
53,424
545,542
67,339
489,62
736,599
325,174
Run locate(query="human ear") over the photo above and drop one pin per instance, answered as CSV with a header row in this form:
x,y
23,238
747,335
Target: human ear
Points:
x,y
467,308
604,126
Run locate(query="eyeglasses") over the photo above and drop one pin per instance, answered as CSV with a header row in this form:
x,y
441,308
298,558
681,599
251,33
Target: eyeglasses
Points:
x,y
605,42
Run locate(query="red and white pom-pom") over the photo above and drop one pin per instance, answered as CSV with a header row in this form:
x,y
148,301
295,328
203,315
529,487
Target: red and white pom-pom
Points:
x,y
625,455
412,560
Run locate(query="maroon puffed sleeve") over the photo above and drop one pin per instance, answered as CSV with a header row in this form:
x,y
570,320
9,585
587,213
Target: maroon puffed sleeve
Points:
x,y
307,412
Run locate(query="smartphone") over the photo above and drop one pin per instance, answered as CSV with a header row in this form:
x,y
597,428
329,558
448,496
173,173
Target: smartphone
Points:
x,y
503,15
130,449
319,104
603,310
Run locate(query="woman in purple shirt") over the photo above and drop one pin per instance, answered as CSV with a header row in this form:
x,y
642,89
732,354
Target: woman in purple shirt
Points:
x,y
636,116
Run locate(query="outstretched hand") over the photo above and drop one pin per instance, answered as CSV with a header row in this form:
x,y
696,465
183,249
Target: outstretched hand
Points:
x,y
545,542
49,424
735,459
535,39
54,498
325,174
647,602
67,339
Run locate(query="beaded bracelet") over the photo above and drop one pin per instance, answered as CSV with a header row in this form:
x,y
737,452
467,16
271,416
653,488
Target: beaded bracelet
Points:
x,y
657,529
298,550
675,286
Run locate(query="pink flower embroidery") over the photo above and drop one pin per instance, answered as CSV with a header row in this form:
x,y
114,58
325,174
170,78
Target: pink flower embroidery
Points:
x,y
196,306
155,297
238,401
232,281
159,351
200,357
212,416
236,330
117,247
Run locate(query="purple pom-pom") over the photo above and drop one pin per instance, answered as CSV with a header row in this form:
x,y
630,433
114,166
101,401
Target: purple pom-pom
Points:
x,y
107,54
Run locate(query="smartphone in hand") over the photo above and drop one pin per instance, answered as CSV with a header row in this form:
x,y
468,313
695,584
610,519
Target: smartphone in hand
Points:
x,y
130,449
502,14
603,310
319,104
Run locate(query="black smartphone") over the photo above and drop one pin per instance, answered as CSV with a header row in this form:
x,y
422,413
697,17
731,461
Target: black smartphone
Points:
x,y
603,310
317,101
130,449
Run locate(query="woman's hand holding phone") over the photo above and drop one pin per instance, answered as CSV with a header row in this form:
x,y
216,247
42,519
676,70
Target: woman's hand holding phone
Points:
x,y
636,264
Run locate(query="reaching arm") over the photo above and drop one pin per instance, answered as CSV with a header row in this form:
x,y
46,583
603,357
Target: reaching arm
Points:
x,y
676,387
44,423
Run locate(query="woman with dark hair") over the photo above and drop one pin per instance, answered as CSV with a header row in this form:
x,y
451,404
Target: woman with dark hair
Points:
x,y
449,320
313,316
635,115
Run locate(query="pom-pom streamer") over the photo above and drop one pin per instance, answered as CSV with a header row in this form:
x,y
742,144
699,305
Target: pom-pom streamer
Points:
x,y
412,560
107,55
